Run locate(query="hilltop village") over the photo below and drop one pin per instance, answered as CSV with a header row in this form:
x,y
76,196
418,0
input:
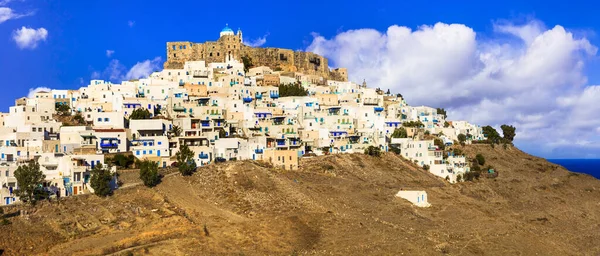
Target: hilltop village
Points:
x,y
225,101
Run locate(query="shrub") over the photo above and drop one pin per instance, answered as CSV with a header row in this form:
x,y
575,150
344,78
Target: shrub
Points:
x,y
459,178
462,138
100,180
480,159
286,90
439,143
400,133
426,167
185,160
373,151
149,173
140,113
394,149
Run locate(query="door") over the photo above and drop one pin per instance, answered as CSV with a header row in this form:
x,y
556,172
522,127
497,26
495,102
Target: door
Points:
x,y
7,200
75,190
158,152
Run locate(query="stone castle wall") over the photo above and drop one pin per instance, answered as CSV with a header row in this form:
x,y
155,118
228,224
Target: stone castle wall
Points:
x,y
231,47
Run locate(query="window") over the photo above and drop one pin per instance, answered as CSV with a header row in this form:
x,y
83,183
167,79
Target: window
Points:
x,y
174,48
99,119
150,152
144,152
159,143
106,119
137,152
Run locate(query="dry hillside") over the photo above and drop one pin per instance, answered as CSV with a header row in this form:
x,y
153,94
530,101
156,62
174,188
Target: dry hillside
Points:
x,y
340,204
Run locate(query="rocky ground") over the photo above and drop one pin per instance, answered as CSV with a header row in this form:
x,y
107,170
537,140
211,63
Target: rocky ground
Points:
x,y
339,204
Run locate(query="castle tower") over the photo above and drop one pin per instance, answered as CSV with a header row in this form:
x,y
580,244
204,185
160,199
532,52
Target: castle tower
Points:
x,y
364,84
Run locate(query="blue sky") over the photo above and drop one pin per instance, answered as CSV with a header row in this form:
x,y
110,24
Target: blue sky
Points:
x,y
77,35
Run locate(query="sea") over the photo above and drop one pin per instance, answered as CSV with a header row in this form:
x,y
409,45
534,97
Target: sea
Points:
x,y
589,166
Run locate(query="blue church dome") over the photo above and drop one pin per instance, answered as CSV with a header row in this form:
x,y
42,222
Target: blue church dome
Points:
x,y
227,29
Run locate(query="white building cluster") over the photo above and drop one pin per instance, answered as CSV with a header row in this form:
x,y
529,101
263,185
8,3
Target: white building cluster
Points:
x,y
223,114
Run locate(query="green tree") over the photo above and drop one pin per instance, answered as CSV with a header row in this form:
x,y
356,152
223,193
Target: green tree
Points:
x,y
149,173
415,124
446,124
509,132
176,130
373,151
185,160
140,113
480,159
247,63
439,143
63,109
29,181
491,134
122,160
400,133
426,167
100,180
462,138
222,133
441,111
296,89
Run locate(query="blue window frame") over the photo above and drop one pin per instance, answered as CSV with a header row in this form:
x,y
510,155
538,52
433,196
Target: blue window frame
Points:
x,y
144,152
137,152
159,143
99,119
150,152
106,119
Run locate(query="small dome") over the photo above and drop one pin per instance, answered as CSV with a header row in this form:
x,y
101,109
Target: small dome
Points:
x,y
227,29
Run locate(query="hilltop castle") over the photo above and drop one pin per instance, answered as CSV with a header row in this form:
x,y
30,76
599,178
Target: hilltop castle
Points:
x,y
230,46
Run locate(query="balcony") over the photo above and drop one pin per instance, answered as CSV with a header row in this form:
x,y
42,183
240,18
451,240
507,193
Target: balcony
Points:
x,y
281,143
203,156
258,151
258,96
109,145
178,108
247,99
274,95
378,109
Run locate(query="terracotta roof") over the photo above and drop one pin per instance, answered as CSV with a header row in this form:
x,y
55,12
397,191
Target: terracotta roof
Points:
x,y
109,130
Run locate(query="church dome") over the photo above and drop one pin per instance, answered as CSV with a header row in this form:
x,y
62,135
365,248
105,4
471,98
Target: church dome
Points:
x,y
227,31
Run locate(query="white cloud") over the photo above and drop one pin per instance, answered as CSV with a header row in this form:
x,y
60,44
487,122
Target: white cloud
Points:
x,y
28,38
8,14
109,53
523,75
117,72
33,91
257,42
143,69
130,23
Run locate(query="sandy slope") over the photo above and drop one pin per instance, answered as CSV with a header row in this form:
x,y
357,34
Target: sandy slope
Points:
x,y
341,204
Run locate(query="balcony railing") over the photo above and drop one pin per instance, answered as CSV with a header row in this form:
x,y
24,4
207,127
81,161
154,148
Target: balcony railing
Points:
x,y
258,151
109,145
203,156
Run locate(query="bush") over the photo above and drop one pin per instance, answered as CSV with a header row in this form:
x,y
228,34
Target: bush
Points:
x,y
459,178
100,180
439,143
185,160
462,138
373,151
286,90
400,133
149,173
394,149
426,167
480,159
140,113
122,161
457,152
